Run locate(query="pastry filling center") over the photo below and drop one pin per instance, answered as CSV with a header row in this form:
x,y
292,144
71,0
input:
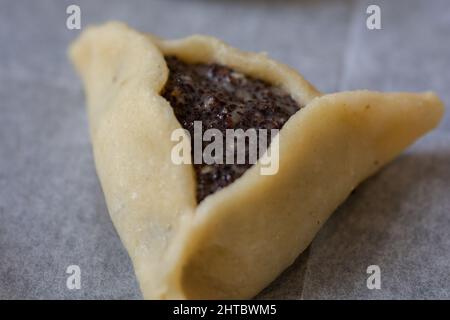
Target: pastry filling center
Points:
x,y
221,98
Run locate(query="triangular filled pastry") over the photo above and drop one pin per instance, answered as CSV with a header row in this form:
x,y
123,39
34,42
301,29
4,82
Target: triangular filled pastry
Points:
x,y
221,230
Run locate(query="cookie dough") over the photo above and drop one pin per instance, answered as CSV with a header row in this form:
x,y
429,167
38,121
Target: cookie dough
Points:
x,y
236,240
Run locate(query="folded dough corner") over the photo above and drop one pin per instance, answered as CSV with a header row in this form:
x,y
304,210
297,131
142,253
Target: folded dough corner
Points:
x,y
236,241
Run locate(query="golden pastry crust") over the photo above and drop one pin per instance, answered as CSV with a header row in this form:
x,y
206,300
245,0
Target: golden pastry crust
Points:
x,y
239,239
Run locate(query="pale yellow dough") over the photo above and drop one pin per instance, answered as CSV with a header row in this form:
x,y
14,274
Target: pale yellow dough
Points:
x,y
239,239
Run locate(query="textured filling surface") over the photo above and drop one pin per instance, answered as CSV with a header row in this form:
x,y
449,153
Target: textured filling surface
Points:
x,y
222,98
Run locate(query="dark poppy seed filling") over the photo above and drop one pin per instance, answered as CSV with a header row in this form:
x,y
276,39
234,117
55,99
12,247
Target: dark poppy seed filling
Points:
x,y
222,98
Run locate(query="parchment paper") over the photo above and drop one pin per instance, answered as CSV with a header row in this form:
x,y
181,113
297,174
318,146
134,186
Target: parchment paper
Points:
x,y
52,211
